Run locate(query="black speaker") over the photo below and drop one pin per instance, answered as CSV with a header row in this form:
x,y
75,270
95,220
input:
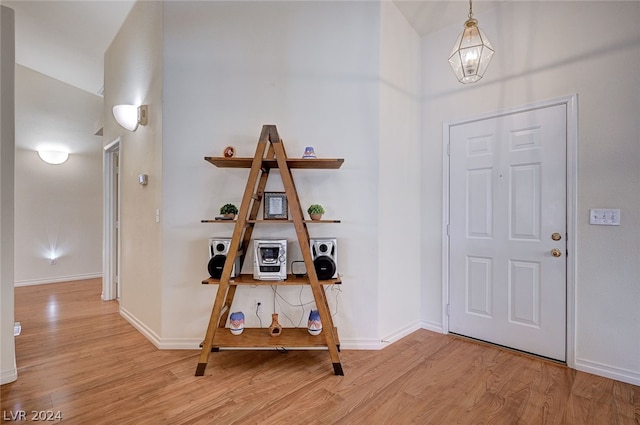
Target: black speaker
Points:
x,y
324,253
218,250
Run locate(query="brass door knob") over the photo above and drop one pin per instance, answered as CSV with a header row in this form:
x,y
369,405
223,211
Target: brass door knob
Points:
x,y
556,252
556,236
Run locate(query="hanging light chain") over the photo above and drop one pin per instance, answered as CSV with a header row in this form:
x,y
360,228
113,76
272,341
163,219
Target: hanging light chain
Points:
x,y
471,22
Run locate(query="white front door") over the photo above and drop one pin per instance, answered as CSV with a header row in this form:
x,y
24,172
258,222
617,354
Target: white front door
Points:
x,y
508,221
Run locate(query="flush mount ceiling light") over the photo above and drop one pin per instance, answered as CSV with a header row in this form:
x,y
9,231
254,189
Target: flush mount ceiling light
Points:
x,y
129,116
53,157
472,52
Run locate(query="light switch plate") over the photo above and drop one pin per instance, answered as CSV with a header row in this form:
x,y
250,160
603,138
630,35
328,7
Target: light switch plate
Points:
x,y
604,216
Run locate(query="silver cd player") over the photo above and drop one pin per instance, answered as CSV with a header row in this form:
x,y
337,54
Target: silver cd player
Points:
x,y
270,259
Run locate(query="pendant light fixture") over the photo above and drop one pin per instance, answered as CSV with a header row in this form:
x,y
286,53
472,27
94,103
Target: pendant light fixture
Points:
x,y
472,52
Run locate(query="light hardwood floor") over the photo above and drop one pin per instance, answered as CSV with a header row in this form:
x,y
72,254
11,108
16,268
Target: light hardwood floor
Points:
x,y
76,355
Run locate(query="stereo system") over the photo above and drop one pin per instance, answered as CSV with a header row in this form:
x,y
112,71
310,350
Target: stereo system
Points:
x,y
270,259
218,250
324,253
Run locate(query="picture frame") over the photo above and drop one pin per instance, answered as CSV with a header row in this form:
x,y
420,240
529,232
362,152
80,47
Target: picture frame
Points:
x,y
275,206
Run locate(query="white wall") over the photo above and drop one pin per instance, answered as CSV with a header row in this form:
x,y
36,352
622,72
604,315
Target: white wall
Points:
x,y
547,50
8,369
399,148
133,75
312,69
58,207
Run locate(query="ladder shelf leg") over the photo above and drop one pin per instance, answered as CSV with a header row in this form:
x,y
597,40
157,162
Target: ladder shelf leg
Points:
x,y
302,234
200,369
207,344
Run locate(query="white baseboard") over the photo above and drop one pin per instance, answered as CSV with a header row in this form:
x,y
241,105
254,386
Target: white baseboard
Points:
x,y
141,327
432,326
44,281
362,344
194,344
400,333
600,369
7,376
345,343
180,343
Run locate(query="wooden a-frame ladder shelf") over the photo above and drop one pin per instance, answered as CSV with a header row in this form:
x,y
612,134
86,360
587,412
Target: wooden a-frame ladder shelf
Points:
x,y
270,153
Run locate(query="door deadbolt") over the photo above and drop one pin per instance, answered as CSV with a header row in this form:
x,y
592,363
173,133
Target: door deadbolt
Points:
x,y
556,236
556,252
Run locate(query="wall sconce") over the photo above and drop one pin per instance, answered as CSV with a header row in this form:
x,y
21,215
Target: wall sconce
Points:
x,y
129,116
53,157
472,52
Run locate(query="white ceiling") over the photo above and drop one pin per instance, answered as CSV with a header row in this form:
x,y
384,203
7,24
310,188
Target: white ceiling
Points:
x,y
427,16
66,40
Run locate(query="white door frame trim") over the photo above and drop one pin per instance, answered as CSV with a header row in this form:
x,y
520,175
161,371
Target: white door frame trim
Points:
x,y
571,103
108,236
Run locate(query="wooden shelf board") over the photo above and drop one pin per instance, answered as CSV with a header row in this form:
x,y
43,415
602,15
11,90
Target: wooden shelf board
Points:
x,y
318,163
260,338
291,221
217,221
271,221
247,279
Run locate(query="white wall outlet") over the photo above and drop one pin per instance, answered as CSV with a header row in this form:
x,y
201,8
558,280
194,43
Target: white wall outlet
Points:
x,y
604,217
259,307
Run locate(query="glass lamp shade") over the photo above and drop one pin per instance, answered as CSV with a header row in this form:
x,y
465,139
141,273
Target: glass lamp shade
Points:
x,y
471,53
126,116
53,157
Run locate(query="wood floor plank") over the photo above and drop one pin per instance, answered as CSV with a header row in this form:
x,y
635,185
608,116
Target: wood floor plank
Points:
x,y
77,355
